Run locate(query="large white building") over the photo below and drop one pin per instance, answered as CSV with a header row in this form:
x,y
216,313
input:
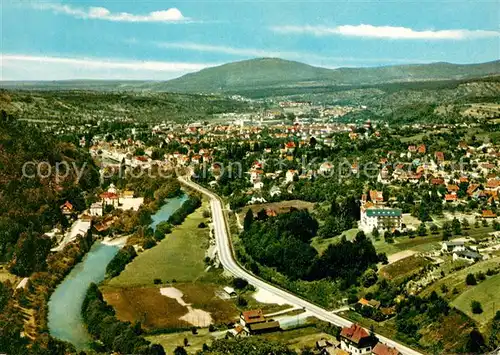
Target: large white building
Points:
x,y
380,218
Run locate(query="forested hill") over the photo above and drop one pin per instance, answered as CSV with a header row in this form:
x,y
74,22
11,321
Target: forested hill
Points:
x,y
29,206
259,73
271,72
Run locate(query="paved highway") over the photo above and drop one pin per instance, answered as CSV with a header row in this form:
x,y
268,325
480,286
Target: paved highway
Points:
x,y
229,263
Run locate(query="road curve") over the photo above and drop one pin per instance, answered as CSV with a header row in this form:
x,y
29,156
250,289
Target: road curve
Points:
x,y
229,263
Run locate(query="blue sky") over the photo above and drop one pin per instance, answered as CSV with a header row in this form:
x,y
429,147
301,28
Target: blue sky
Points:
x,y
43,40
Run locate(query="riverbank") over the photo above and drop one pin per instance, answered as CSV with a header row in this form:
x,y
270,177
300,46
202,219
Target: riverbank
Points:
x,y
65,305
64,319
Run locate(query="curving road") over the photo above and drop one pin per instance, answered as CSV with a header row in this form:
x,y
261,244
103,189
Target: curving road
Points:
x,y
229,263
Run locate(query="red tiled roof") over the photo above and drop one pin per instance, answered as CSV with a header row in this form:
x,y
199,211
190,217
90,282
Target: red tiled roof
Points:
x,y
67,205
109,195
376,195
493,184
472,188
382,349
488,214
354,333
253,316
437,181
450,197
439,156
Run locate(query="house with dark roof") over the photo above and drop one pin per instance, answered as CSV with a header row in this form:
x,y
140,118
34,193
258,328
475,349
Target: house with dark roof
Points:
x,y
356,340
467,255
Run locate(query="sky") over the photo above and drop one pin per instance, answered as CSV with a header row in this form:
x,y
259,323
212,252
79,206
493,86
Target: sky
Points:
x,y
160,40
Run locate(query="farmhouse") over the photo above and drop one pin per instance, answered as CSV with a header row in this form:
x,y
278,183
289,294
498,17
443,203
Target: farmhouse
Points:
x,y
252,317
256,323
356,340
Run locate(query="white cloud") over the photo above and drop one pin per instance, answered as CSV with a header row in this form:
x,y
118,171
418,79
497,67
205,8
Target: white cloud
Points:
x,y
101,13
387,32
26,67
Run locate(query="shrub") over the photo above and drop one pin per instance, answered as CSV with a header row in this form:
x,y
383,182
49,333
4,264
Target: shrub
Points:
x,y
157,281
240,283
470,280
148,243
242,302
476,307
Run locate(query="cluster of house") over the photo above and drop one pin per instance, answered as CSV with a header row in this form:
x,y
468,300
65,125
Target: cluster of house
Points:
x,y
461,251
123,200
352,340
482,164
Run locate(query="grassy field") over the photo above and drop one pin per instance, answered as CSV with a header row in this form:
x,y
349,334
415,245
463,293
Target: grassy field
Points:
x,y
172,340
147,305
296,339
178,257
404,267
321,244
487,293
457,279
418,244
155,311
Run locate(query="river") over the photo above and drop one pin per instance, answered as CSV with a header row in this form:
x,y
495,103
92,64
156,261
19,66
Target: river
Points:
x,y
64,318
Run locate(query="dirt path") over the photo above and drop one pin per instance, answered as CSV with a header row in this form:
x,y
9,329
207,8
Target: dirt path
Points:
x,y
196,317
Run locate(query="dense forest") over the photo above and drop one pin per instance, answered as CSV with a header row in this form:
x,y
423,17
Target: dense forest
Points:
x,y
283,242
30,200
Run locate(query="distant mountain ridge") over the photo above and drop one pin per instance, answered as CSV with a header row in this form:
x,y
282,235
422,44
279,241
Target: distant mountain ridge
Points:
x,y
275,73
270,72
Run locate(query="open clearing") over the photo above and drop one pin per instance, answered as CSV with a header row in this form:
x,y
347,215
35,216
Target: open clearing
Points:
x,y
147,305
177,257
295,339
404,267
171,341
487,293
457,279
279,207
158,308
321,244
196,317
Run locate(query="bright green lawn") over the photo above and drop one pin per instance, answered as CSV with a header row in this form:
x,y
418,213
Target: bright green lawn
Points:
x,y
487,293
457,279
179,256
